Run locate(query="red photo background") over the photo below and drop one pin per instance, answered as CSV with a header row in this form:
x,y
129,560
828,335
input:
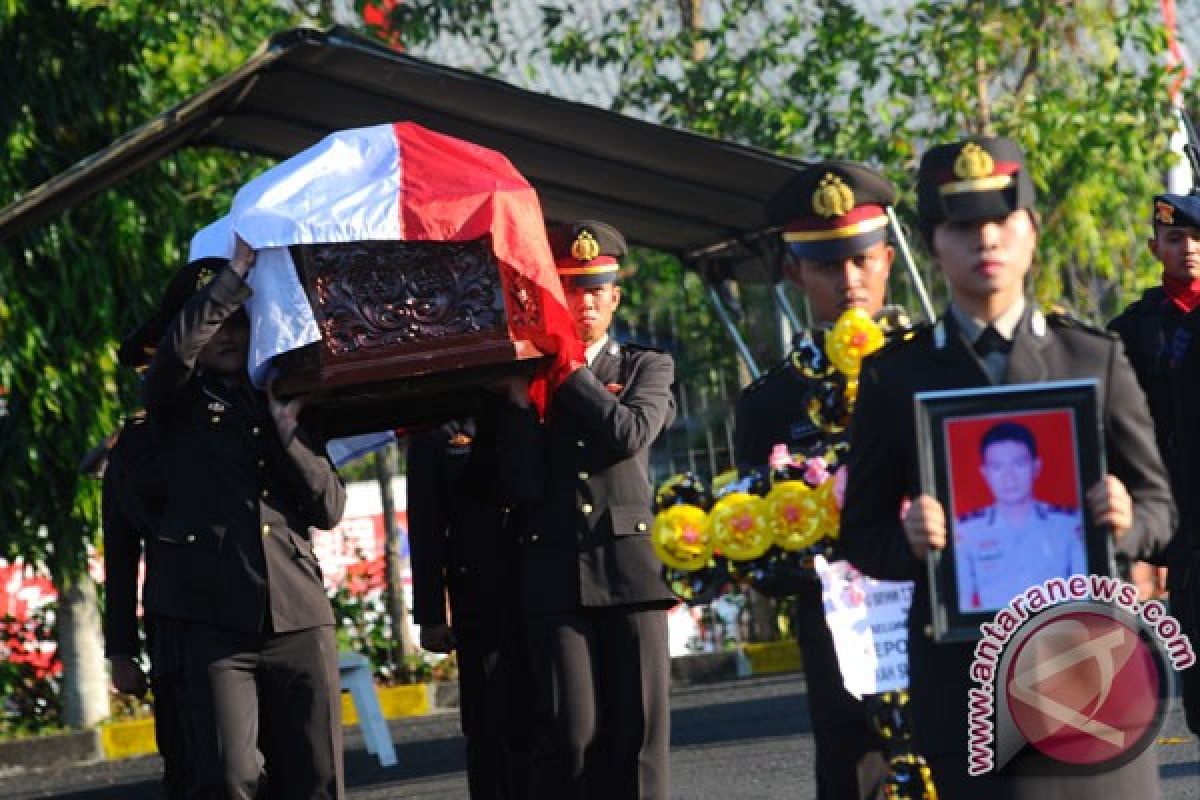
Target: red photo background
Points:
x,y
1054,432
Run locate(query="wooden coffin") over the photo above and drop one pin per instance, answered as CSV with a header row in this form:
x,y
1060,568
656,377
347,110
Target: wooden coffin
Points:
x,y
411,332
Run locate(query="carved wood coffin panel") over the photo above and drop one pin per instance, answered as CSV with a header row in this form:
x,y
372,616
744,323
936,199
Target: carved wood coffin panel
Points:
x,y
408,330
372,296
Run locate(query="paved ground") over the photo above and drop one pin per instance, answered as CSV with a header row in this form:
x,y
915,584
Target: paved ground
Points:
x,y
742,740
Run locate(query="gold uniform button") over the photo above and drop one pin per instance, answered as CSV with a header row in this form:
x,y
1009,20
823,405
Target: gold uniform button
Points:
x,y
581,443
265,493
641,526
533,537
191,537
266,529
262,462
583,476
256,430
215,419
586,508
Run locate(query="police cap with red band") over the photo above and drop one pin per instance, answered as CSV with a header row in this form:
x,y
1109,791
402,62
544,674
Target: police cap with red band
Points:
x,y
977,178
138,347
833,209
1177,210
587,253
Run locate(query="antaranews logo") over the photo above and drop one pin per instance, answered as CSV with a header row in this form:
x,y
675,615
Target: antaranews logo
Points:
x,y
1077,668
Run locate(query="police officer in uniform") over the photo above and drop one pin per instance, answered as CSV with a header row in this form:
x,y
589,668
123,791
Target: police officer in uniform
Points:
x,y
1018,541
245,483
134,492
1160,333
834,222
132,498
461,552
975,206
594,598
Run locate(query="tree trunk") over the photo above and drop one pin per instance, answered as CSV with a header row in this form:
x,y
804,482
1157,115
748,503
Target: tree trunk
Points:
x,y
397,603
81,649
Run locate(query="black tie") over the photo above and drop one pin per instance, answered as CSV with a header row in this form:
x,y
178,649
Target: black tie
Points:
x,y
990,341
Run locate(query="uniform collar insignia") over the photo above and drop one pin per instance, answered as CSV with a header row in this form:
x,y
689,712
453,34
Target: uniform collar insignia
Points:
x,y
460,439
1037,323
216,407
614,349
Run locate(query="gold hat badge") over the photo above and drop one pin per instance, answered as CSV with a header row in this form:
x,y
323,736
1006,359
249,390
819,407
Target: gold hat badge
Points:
x,y
833,198
973,162
585,247
204,278
1164,212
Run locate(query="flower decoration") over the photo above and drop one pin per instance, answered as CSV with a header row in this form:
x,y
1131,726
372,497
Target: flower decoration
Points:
x,y
791,509
681,538
853,337
739,527
826,511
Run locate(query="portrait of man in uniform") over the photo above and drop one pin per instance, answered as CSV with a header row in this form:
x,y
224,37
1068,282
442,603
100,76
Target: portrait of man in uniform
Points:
x,y
1029,527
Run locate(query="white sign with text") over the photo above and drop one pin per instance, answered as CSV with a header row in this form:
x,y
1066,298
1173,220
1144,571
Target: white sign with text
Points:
x,y
868,620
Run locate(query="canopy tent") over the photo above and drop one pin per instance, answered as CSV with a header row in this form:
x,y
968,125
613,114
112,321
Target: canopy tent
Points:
x,y
667,189
700,198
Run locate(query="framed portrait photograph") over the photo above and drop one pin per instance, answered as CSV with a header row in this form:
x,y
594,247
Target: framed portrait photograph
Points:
x,y
1010,466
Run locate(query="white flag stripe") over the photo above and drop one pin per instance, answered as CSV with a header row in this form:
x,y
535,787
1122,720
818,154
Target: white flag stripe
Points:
x,y
344,188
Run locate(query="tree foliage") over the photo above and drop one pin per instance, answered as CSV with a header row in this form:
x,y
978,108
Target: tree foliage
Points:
x,y
76,76
1081,85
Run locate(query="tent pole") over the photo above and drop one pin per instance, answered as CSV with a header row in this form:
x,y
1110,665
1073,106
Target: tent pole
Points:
x,y
731,329
906,254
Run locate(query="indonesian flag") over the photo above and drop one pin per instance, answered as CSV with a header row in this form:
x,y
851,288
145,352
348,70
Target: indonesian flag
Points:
x,y
392,182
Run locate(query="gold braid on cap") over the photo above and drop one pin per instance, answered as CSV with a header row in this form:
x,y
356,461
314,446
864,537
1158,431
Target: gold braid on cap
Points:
x,y
585,247
833,198
1164,212
973,162
204,278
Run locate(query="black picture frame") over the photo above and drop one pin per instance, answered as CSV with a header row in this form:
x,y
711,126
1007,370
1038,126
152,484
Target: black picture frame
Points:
x,y
986,557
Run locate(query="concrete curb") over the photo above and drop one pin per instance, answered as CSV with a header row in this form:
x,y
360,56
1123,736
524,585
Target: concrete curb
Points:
x,y
129,738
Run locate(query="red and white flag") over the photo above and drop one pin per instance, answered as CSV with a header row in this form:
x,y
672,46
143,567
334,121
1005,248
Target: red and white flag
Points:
x,y
391,182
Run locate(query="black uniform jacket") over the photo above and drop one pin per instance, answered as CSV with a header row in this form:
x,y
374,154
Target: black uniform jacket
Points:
x,y
1163,345
234,543
457,512
883,470
775,410
587,541
133,494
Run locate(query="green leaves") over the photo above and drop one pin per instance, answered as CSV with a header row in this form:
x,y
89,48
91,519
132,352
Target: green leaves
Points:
x,y
85,74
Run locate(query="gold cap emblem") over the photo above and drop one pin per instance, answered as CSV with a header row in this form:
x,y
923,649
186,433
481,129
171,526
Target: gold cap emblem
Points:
x,y
1164,212
833,197
973,162
585,247
204,278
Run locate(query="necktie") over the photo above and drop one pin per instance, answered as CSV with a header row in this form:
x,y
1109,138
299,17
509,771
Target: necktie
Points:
x,y
991,341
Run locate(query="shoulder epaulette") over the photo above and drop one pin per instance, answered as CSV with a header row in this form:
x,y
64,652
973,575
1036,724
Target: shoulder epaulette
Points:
x,y
897,340
767,377
976,514
1062,319
638,346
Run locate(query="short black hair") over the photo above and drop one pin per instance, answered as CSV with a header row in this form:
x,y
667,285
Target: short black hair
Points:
x,y
1008,432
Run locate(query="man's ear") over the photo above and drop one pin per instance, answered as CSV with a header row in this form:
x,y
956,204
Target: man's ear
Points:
x,y
889,256
616,291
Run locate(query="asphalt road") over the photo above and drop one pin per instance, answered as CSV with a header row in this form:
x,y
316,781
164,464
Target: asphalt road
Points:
x,y
742,740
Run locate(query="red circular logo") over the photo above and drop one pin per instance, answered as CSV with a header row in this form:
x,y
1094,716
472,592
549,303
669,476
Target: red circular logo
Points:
x,y
1085,688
